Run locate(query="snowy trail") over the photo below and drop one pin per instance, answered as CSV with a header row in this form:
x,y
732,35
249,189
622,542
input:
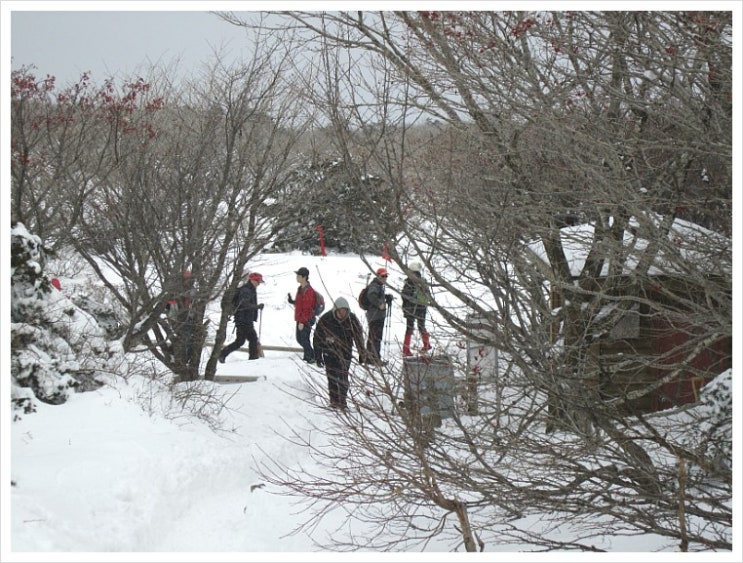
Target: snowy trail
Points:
x,y
184,489
121,469
233,509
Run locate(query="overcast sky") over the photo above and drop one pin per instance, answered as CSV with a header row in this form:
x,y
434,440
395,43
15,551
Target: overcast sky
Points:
x,y
117,39
63,41
118,43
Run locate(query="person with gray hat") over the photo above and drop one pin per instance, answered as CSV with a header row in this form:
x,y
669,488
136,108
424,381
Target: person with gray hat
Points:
x,y
336,333
304,312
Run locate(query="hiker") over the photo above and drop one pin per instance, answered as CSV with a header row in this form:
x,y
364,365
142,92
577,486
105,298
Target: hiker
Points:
x,y
415,296
336,333
245,310
182,316
375,316
304,313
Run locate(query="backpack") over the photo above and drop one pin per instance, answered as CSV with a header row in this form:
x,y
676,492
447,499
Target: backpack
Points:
x,y
364,300
420,297
235,301
319,303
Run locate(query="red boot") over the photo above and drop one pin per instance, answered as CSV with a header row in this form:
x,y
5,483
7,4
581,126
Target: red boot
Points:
x,y
426,341
406,344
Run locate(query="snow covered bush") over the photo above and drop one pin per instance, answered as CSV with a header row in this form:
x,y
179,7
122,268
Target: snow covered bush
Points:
x,y
79,284
716,421
56,347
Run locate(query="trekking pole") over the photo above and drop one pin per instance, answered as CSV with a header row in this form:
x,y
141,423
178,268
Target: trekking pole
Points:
x,y
260,329
325,287
388,327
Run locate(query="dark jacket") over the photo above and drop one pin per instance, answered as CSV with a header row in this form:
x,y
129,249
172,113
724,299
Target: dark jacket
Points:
x,y
336,337
414,295
375,295
246,310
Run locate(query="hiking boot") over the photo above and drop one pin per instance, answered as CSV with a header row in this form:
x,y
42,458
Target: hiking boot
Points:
x,y
426,342
406,344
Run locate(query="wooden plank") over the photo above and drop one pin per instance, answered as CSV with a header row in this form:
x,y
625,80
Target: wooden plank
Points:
x,y
237,378
268,347
282,348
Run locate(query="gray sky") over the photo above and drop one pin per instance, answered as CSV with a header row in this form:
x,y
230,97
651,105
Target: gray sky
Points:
x,y
65,43
117,44
65,39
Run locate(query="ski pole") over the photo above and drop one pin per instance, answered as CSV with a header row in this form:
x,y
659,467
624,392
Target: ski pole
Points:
x,y
388,327
260,330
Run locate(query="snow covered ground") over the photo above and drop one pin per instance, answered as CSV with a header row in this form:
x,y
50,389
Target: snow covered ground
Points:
x,y
122,474
101,474
122,469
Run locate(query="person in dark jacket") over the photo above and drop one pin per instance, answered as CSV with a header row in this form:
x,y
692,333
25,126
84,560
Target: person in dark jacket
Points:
x,y
415,297
304,313
375,317
336,333
246,313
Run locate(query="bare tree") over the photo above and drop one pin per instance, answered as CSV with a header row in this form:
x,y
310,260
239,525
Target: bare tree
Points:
x,y
179,182
61,141
565,195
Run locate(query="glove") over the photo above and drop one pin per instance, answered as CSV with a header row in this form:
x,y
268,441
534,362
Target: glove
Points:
x,y
260,306
319,362
388,298
289,298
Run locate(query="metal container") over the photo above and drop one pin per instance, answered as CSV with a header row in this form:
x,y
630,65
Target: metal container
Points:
x,y
429,386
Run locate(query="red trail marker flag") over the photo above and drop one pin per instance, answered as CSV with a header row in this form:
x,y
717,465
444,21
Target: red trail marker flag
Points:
x,y
322,240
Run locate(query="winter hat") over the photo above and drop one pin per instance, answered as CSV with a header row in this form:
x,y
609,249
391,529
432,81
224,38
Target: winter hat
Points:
x,y
255,276
304,272
415,266
341,303
382,272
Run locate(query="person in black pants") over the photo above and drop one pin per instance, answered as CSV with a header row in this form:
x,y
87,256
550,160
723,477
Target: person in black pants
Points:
x,y
415,297
375,317
336,333
245,307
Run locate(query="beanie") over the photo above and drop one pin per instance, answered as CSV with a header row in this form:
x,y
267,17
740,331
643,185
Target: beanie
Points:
x,y
341,303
